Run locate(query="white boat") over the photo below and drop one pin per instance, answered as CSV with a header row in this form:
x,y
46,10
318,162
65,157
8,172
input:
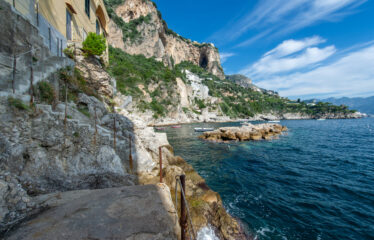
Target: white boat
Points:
x,y
274,121
203,129
321,119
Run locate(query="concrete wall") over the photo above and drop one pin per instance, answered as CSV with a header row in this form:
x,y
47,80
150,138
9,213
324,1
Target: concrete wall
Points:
x,y
21,38
52,38
26,8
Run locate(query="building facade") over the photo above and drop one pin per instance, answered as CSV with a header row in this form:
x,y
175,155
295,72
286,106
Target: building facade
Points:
x,y
64,22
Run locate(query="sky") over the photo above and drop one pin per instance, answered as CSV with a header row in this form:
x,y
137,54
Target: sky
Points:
x,y
299,48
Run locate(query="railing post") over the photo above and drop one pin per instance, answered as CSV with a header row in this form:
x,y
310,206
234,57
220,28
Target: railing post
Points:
x,y
31,85
14,3
160,157
183,220
130,157
95,136
14,72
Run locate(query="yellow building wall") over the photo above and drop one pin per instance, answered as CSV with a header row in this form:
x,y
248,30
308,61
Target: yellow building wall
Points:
x,y
26,8
54,11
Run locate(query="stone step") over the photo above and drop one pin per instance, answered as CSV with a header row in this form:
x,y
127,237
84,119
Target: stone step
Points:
x,y
44,107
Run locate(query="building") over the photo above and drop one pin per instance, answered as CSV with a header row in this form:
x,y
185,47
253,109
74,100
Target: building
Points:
x,y
64,22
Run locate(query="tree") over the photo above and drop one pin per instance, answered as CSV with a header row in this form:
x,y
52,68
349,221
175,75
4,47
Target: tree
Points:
x,y
94,44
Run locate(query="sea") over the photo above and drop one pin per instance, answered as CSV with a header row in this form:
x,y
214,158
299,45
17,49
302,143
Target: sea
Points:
x,y
315,182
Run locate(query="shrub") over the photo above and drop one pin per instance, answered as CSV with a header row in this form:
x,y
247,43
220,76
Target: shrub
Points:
x,y
94,44
200,103
69,52
157,108
47,93
17,103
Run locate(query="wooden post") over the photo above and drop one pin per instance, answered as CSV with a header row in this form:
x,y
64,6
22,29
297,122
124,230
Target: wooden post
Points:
x,y
183,220
14,72
160,157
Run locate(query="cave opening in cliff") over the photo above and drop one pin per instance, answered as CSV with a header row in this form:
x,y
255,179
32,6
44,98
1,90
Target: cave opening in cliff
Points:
x,y
203,61
131,15
163,38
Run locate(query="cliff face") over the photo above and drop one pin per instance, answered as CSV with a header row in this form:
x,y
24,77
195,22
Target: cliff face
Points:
x,y
141,30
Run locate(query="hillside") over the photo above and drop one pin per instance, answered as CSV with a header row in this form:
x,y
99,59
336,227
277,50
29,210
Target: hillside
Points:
x,y
364,105
137,27
172,79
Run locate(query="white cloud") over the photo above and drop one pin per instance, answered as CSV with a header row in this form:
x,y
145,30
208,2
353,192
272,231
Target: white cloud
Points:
x,y
351,75
290,55
279,17
225,56
288,47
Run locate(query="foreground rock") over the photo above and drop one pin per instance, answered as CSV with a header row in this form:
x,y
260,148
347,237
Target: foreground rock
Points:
x,y
137,212
245,133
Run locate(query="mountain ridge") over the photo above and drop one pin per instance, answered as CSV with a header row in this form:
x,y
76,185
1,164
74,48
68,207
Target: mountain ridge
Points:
x,y
361,104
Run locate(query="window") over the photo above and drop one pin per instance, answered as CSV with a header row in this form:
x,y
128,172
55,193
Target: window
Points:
x,y
97,27
87,7
68,25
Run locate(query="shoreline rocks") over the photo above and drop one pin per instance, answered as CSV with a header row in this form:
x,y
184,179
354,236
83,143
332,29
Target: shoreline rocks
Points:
x,y
248,132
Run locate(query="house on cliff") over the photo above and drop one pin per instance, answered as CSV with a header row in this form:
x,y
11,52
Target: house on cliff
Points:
x,y
64,22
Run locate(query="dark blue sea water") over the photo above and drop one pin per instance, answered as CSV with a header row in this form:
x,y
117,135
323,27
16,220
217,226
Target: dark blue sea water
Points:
x,y
315,182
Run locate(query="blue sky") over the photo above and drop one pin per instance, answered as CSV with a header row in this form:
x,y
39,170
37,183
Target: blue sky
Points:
x,y
300,48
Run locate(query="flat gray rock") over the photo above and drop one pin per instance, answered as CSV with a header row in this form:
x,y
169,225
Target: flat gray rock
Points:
x,y
136,212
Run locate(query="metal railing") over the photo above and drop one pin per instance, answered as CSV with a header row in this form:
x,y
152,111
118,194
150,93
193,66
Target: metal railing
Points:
x,y
181,181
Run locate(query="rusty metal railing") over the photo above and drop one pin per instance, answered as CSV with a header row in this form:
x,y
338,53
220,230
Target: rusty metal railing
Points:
x,y
181,181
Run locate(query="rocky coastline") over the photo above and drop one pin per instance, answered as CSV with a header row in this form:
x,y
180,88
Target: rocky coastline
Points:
x,y
258,117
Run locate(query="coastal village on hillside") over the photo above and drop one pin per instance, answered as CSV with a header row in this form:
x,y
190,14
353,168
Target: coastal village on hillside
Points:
x,y
88,90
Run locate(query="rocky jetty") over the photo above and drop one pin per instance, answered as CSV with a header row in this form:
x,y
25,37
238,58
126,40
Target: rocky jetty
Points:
x,y
248,132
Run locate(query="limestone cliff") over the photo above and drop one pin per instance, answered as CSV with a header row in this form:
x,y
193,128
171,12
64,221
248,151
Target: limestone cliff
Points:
x,y
137,27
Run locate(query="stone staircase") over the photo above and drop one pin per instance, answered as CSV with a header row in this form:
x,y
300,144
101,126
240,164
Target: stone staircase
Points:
x,y
103,132
41,71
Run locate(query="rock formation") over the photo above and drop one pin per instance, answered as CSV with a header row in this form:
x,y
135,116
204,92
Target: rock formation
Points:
x,y
154,39
247,132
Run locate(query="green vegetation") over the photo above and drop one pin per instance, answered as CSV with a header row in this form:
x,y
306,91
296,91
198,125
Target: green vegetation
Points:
x,y
94,44
136,73
240,102
69,52
17,103
76,84
46,92
84,111
200,103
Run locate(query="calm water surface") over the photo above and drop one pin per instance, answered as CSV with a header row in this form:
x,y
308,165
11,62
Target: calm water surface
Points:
x,y
315,182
